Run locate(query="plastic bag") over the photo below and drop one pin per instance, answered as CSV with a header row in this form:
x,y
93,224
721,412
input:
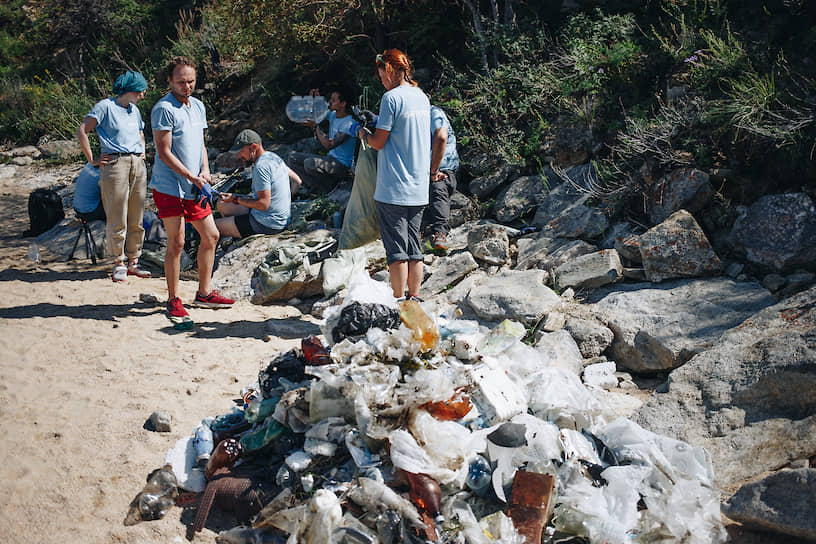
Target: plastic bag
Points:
x,y
339,270
356,319
360,224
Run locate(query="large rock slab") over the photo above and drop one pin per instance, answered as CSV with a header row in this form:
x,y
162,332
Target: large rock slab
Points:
x,y
520,197
678,248
561,350
589,271
660,328
486,185
683,188
547,253
60,149
778,232
783,502
749,399
448,271
511,294
564,213
591,336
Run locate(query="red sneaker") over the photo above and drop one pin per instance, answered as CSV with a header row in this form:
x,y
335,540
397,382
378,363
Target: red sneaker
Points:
x,y
214,300
178,315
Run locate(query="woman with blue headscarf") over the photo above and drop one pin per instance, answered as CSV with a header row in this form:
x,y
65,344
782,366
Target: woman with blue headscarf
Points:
x,y
123,178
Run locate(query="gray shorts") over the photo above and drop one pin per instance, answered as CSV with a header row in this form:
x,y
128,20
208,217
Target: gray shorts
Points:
x,y
399,228
248,225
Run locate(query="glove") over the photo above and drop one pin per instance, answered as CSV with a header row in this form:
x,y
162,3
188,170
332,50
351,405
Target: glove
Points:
x,y
354,129
206,195
370,117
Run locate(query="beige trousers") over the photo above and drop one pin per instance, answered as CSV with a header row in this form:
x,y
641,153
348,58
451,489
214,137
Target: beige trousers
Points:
x,y
123,183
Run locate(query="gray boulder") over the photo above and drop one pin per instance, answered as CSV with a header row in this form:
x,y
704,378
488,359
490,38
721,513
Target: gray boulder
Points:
x,y
511,294
547,253
589,271
448,271
228,161
235,268
462,209
520,197
660,328
564,213
591,336
778,232
678,248
683,188
783,502
749,398
489,243
60,149
486,185
561,350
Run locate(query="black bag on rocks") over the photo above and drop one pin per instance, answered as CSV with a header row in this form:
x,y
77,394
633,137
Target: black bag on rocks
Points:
x,y
356,319
44,211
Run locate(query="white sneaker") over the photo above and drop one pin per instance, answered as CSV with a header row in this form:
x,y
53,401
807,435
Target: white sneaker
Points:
x,y
120,272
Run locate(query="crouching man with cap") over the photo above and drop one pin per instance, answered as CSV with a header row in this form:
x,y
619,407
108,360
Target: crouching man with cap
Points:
x,y
269,208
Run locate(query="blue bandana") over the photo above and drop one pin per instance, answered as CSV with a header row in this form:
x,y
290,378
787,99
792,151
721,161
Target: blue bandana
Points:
x,y
129,82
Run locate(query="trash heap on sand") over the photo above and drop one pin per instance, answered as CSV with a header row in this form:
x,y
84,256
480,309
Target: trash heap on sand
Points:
x,y
415,427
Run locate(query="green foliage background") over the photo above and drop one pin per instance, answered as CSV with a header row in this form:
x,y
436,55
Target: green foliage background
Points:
x,y
711,83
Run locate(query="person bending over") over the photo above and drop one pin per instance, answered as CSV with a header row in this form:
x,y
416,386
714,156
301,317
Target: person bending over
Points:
x,y
268,210
321,173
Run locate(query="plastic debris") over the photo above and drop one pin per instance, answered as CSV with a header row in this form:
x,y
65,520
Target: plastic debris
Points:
x,y
155,498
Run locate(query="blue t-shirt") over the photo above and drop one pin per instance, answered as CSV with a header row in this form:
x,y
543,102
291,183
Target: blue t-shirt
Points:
x,y
404,163
450,160
87,194
345,151
119,129
270,173
187,124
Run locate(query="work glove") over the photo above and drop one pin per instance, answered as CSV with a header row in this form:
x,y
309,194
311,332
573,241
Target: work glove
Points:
x,y
207,195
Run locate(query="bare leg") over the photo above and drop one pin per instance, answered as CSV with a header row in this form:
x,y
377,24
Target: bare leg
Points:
x,y
398,271
414,277
226,224
172,259
206,252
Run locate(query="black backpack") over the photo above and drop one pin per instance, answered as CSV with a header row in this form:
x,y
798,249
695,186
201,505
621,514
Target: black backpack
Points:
x,y
44,211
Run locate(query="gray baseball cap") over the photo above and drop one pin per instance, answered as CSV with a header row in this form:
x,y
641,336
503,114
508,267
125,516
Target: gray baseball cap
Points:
x,y
244,138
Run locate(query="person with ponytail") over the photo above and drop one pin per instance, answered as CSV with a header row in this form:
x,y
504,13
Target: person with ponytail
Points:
x,y
403,138
123,178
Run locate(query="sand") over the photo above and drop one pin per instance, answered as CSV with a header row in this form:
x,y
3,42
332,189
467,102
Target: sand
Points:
x,y
84,363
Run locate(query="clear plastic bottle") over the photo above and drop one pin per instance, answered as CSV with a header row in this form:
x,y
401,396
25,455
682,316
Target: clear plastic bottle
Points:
x,y
479,476
415,318
34,252
203,442
299,109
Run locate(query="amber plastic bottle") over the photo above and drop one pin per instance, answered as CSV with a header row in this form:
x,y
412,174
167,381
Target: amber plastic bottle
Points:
x,y
226,453
425,493
314,352
415,318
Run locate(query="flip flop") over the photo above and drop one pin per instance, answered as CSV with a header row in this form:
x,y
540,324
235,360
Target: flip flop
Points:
x,y
182,323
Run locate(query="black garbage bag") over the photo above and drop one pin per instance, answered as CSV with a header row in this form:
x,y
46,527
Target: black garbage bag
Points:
x,y
289,365
357,318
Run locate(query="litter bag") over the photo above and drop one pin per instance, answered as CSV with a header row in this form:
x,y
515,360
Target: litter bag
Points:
x,y
360,219
356,319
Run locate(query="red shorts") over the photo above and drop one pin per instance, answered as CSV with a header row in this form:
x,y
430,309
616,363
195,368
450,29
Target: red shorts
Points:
x,y
173,206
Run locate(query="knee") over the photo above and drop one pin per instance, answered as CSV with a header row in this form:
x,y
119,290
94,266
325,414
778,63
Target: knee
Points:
x,y
210,239
175,247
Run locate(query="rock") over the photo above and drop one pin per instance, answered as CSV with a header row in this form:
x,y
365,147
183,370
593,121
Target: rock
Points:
x,y
60,239
678,248
222,133
520,197
733,269
634,274
489,243
554,322
509,435
22,161
684,188
228,161
660,328
796,282
160,421
60,149
22,151
778,232
773,282
463,209
562,351
447,272
628,247
149,298
321,305
748,399
589,271
547,253
486,185
564,213
517,295
234,270
601,375
781,503
591,337
569,143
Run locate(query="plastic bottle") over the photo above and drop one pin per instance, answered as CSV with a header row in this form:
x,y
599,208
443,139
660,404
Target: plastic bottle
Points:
x,y
299,109
203,442
226,453
415,318
314,352
479,476
34,252
425,493
452,409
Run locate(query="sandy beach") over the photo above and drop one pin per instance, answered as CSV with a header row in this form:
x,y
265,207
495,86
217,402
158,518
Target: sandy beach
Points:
x,y
84,363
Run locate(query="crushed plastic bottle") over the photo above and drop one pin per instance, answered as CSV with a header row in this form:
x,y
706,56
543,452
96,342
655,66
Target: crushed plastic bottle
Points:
x,y
479,476
203,442
155,498
415,318
34,252
300,109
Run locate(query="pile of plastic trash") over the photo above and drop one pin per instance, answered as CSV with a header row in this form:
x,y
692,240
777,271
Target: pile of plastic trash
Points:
x,y
414,427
